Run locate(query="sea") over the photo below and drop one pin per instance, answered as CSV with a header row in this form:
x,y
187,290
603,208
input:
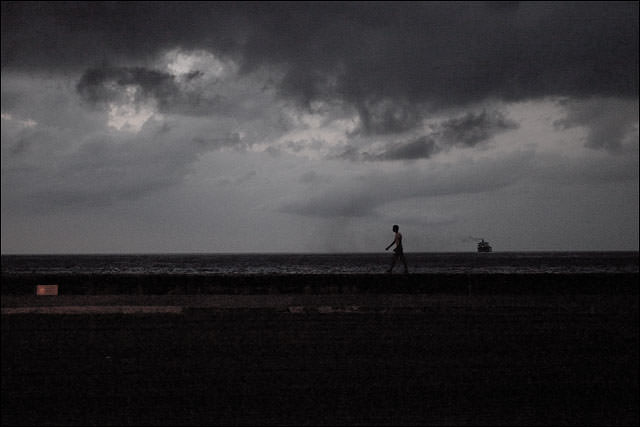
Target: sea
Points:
x,y
342,263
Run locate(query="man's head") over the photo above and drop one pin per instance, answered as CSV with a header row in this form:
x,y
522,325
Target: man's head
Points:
x,y
395,228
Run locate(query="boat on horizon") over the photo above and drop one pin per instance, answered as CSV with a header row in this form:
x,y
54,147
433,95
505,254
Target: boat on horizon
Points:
x,y
484,246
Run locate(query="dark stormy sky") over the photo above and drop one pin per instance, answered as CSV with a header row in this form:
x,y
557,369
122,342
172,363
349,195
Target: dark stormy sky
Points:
x,y
314,127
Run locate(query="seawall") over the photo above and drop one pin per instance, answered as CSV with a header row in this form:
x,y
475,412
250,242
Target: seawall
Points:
x,y
451,284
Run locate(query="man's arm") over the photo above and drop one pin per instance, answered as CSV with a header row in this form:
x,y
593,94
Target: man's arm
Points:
x,y
395,240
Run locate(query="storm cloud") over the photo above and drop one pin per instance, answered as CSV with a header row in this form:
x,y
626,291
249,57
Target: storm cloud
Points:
x,y
421,148
258,120
393,62
49,169
361,195
101,86
611,124
466,131
472,129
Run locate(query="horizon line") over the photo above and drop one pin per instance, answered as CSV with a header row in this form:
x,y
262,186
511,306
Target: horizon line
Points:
x,y
315,253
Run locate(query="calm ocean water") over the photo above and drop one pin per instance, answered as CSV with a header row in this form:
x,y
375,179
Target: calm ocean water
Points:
x,y
463,263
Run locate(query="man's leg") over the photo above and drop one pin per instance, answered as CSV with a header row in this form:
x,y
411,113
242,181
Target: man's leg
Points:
x,y
404,261
393,262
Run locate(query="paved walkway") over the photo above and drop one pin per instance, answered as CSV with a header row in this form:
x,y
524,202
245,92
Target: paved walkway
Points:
x,y
320,360
296,303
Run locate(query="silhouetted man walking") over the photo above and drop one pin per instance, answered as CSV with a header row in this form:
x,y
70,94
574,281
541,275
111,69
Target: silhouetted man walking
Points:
x,y
397,252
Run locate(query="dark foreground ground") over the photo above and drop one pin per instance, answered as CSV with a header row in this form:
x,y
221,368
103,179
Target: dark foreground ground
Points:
x,y
561,359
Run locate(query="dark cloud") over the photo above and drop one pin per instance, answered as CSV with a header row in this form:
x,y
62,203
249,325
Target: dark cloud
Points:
x,y
100,86
391,61
361,196
301,145
51,169
472,129
611,124
465,131
421,148
387,117
76,35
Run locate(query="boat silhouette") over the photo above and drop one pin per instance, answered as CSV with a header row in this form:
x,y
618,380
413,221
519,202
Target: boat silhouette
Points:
x,y
484,246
